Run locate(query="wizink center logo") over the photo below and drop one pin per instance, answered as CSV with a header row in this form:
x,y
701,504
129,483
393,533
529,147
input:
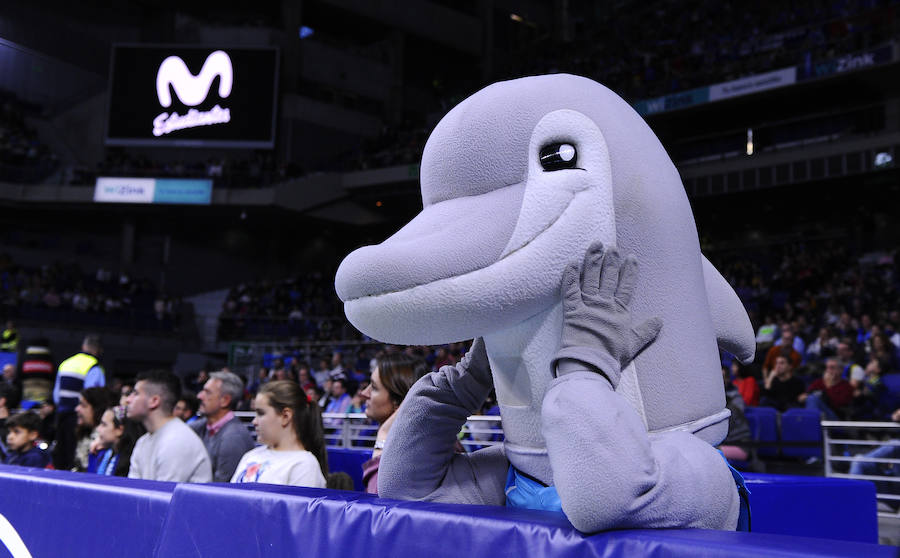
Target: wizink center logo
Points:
x,y
192,90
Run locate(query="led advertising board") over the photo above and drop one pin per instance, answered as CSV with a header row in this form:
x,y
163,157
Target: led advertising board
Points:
x,y
188,96
181,191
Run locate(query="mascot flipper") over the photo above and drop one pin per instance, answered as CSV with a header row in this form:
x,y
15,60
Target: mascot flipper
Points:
x,y
518,181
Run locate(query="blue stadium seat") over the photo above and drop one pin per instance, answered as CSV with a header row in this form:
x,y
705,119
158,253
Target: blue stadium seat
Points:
x,y
764,425
801,425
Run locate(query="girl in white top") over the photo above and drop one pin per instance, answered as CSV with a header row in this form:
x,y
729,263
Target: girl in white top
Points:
x,y
290,427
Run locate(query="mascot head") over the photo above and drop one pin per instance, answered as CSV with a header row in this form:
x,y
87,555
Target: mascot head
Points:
x,y
517,181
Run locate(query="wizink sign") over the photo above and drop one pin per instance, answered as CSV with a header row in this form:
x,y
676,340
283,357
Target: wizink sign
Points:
x,y
192,96
192,90
182,191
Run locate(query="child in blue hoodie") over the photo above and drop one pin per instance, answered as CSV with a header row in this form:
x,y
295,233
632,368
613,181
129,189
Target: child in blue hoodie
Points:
x,y
24,429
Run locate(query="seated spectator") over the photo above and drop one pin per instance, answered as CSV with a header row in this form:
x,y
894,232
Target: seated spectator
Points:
x,y
850,370
829,394
881,348
358,401
745,383
224,435
124,392
891,450
92,403
781,389
116,437
290,427
5,396
170,450
24,429
823,346
394,374
187,407
868,398
765,335
36,372
789,337
786,349
340,396
321,374
738,427
304,378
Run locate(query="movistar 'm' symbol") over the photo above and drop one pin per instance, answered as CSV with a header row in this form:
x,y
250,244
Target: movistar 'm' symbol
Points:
x,y
192,90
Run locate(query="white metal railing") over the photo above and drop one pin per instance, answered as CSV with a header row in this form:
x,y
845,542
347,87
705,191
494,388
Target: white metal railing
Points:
x,y
868,444
356,431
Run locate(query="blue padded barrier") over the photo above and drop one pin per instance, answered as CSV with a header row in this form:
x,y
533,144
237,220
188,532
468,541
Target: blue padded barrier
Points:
x,y
273,522
842,509
349,461
84,516
58,513
801,425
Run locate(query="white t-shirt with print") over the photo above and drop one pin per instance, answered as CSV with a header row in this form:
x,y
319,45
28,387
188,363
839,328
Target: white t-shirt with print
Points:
x,y
296,468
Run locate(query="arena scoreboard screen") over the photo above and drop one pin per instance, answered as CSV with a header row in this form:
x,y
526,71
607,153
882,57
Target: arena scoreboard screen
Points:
x,y
188,96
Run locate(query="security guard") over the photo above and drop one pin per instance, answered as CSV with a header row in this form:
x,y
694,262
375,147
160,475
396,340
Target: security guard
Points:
x,y
10,340
76,373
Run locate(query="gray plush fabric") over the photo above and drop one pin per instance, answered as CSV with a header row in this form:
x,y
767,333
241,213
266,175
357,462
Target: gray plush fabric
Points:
x,y
445,277
419,460
608,472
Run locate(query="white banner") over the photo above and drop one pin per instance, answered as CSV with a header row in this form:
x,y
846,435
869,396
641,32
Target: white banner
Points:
x,y
753,84
124,190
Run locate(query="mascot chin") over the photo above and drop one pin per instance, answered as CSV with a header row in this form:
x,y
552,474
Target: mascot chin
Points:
x,y
556,231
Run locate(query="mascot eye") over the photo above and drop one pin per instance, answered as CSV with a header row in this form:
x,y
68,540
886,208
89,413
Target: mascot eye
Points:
x,y
558,156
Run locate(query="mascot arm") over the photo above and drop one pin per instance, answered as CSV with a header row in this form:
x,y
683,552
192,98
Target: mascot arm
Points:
x,y
419,461
610,474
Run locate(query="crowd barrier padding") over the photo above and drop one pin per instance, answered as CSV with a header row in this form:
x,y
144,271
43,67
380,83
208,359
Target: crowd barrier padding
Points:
x,y
58,513
79,515
837,509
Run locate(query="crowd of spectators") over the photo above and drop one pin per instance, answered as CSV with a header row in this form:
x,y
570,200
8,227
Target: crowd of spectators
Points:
x,y
655,48
303,307
23,157
63,292
256,170
827,329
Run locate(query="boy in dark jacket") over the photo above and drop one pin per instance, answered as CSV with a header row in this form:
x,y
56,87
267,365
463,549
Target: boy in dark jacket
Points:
x,y
24,429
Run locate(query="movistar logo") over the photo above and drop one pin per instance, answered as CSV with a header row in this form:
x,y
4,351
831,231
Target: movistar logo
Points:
x,y
193,90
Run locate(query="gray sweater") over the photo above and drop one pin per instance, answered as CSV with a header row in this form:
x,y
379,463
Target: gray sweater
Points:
x,y
225,448
609,472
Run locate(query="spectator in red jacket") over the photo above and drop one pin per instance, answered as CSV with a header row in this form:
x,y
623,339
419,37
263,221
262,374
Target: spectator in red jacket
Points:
x,y
830,394
746,383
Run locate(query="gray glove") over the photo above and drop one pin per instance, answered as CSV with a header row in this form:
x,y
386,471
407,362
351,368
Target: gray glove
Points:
x,y
599,333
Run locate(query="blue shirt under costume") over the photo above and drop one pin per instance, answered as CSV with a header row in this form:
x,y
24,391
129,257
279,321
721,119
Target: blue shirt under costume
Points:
x,y
523,491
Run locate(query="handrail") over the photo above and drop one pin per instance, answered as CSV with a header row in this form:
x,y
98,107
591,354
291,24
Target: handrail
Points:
x,y
837,453
357,431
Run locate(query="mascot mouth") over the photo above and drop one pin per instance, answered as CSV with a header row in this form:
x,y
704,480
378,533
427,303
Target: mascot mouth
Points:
x,y
445,240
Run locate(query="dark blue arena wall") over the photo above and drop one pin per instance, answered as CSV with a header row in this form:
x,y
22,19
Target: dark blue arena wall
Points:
x,y
69,514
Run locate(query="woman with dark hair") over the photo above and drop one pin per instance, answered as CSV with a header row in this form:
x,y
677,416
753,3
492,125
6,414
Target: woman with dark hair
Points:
x,y
116,437
394,374
92,403
290,427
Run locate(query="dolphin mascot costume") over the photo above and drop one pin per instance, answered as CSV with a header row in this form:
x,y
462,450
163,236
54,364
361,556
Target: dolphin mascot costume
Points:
x,y
613,421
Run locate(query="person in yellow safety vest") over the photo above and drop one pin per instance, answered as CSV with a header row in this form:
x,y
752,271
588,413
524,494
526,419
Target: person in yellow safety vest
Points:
x,y
78,372
10,340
